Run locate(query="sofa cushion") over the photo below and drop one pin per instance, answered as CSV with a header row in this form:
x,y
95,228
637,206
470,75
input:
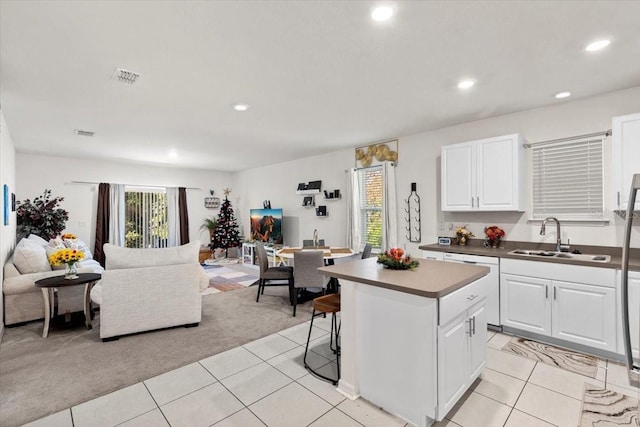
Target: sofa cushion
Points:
x,y
37,239
117,257
79,245
30,257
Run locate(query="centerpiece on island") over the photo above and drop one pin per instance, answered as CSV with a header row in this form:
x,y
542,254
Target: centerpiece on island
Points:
x,y
463,234
69,257
395,259
494,234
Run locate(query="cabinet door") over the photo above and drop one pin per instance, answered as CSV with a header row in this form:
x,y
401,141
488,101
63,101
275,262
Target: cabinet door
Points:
x,y
477,341
458,177
452,362
585,314
626,152
497,184
525,303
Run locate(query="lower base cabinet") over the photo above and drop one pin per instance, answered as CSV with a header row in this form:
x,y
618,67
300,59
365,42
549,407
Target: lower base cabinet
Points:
x,y
461,355
582,313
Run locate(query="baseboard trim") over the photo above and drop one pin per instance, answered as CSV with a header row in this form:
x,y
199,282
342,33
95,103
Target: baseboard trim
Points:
x,y
347,390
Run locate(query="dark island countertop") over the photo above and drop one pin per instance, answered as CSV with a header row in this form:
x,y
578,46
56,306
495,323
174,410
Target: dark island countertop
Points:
x,y
431,279
476,247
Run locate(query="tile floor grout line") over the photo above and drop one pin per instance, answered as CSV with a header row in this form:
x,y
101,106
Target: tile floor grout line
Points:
x,y
364,425
316,394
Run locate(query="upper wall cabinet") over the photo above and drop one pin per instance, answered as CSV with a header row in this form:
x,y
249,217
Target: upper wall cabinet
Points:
x,y
626,152
484,175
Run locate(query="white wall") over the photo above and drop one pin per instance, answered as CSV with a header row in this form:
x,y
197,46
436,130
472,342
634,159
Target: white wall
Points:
x,y
279,183
7,176
419,161
34,173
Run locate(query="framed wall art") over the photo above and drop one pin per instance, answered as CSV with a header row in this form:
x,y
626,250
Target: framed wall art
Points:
x,y
375,154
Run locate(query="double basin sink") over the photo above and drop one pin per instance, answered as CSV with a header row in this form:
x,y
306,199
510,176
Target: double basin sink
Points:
x,y
564,255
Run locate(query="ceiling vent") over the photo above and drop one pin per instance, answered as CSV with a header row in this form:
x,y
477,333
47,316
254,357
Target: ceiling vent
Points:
x,y
81,132
125,76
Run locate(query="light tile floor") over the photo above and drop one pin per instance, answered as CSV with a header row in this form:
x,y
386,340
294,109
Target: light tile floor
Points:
x,y
265,383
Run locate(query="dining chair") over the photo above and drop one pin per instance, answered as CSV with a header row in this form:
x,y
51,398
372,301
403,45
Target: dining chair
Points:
x,y
305,273
269,275
366,252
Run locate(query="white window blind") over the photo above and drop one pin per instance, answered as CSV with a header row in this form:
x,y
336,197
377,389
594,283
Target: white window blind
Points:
x,y
146,219
568,180
370,180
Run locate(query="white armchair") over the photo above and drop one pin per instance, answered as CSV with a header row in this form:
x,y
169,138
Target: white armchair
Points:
x,y
147,289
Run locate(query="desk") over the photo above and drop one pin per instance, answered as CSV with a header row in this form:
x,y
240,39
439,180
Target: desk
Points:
x,y
50,283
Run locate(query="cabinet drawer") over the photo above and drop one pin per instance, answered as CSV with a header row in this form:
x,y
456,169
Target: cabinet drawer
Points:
x,y
456,302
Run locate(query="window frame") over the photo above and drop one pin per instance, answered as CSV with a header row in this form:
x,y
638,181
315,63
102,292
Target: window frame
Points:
x,y
365,209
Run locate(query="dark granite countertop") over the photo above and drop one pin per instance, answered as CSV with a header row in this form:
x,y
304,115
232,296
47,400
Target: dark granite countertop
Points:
x,y
476,247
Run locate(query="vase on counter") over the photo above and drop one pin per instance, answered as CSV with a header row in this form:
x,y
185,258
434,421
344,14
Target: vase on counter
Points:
x,y
462,240
492,243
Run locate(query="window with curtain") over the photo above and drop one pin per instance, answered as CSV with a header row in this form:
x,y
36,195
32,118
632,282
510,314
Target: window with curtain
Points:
x,y
146,218
370,185
568,180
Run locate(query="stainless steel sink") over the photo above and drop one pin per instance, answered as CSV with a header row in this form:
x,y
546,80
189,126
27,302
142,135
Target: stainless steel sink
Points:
x,y
564,255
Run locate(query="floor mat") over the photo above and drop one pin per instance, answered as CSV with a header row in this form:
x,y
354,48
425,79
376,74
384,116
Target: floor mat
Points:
x,y
566,359
223,279
602,408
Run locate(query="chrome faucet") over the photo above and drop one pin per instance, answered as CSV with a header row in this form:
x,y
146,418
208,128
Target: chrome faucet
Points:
x,y
315,237
544,226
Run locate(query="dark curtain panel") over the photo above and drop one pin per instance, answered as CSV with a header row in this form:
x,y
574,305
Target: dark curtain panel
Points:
x,y
184,216
102,222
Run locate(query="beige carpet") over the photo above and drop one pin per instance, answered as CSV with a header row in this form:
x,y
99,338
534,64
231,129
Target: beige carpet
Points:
x,y
43,376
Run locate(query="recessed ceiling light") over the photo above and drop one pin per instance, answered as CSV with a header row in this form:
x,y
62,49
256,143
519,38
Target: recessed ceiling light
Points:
x,y
561,95
240,107
466,84
597,45
382,12
173,154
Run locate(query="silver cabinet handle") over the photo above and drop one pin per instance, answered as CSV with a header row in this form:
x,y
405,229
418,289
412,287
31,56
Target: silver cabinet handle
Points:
x,y
470,331
546,292
555,296
474,324
472,205
470,262
478,201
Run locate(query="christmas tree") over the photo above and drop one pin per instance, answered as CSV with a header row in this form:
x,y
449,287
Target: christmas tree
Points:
x,y
226,234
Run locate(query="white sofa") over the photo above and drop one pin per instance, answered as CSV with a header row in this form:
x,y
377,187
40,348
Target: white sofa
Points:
x,y
23,301
147,289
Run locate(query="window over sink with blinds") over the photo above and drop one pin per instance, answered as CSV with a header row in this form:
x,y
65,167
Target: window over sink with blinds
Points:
x,y
567,181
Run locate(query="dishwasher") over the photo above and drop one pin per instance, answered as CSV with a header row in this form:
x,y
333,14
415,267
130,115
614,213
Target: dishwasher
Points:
x,y
493,280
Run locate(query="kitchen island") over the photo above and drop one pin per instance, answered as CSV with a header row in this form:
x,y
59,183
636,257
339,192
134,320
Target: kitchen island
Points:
x,y
412,342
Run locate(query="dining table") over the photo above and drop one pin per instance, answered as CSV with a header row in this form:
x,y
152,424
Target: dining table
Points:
x,y
330,254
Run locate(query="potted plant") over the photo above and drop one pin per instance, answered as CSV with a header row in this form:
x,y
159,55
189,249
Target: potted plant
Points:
x,y
209,224
42,216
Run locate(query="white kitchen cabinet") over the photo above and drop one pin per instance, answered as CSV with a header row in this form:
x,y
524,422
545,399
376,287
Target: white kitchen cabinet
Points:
x,y
626,152
634,313
461,354
567,302
433,255
483,175
525,303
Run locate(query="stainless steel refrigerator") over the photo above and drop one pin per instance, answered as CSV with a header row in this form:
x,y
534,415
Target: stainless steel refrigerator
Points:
x,y
631,294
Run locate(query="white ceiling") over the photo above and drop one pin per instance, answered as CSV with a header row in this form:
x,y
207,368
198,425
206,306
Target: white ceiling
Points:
x,y
318,75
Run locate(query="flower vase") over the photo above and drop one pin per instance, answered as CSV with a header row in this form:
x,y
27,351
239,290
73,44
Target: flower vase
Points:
x,y
492,243
71,271
462,240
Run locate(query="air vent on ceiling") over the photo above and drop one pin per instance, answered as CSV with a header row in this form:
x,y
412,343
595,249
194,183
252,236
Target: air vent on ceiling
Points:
x,y
125,76
81,132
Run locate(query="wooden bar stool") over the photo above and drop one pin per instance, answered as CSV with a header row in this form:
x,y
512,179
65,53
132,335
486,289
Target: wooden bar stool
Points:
x,y
323,305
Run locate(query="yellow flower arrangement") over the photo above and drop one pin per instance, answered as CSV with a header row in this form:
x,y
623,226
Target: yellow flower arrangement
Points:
x,y
66,256
69,236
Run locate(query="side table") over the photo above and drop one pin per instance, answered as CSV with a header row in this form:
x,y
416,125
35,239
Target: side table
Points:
x,y
50,283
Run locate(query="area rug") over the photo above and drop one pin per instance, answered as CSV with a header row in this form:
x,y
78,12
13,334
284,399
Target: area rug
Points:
x,y
572,361
40,376
223,279
601,408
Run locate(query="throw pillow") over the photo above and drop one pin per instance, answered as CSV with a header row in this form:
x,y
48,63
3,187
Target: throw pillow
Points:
x,y
30,257
79,245
37,239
